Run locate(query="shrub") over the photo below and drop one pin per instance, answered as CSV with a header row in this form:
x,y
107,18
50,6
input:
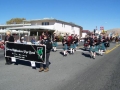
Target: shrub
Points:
x,y
60,38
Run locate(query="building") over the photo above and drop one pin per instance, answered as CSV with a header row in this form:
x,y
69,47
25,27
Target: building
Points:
x,y
85,32
49,25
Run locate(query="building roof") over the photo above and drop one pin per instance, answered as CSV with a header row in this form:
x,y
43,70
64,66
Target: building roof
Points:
x,y
52,19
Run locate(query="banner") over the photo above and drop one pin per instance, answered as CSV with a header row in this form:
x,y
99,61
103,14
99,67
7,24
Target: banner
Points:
x,y
27,52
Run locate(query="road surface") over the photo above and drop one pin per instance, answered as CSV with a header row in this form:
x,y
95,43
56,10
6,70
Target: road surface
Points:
x,y
74,72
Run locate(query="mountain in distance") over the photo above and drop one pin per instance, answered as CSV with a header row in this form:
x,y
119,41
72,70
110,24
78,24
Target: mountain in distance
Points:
x,y
115,30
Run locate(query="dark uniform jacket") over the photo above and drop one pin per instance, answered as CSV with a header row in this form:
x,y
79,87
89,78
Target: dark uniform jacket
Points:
x,y
10,38
48,44
91,41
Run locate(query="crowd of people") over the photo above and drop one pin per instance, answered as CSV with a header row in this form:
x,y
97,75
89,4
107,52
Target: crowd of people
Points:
x,y
94,43
98,44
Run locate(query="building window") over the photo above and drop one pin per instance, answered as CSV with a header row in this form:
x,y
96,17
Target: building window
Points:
x,y
72,27
45,23
3,28
63,25
42,23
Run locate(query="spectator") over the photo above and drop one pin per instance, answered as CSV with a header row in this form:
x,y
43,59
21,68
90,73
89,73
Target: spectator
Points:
x,y
8,38
33,40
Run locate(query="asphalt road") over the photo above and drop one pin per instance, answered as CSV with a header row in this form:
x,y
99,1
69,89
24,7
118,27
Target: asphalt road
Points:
x,y
74,72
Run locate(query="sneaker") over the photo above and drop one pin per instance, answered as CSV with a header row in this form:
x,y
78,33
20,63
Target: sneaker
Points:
x,y
7,63
65,55
41,69
46,70
90,56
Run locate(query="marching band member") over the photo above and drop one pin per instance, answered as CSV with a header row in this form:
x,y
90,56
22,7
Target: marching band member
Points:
x,y
107,41
54,43
101,47
116,39
100,36
65,44
86,42
76,42
104,41
72,45
111,38
48,44
93,47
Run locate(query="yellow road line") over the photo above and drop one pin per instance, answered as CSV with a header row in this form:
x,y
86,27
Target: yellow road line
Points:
x,y
108,51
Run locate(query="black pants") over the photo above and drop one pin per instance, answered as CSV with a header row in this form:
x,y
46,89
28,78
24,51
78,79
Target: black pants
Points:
x,y
47,61
8,60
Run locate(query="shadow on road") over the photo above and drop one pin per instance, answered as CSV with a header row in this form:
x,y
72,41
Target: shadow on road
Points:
x,y
28,63
85,54
61,53
84,49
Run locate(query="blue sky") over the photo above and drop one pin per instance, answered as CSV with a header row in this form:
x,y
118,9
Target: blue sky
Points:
x,y
86,13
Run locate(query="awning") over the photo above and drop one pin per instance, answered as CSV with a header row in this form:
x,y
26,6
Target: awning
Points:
x,y
33,27
13,31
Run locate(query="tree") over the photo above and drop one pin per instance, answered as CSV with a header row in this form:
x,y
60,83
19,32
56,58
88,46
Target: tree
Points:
x,y
15,21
